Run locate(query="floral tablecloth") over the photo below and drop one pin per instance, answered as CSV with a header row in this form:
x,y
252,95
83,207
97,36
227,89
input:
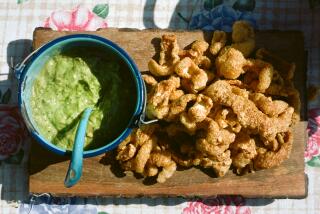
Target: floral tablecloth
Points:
x,y
18,18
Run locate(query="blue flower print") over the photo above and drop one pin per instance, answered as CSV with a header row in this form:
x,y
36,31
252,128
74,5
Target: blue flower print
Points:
x,y
221,17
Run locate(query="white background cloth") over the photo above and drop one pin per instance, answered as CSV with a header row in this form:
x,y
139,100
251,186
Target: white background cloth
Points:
x,y
17,22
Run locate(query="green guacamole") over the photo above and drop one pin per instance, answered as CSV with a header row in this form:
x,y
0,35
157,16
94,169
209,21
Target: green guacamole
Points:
x,y
69,83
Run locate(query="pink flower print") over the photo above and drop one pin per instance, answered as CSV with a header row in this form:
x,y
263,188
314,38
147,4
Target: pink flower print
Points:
x,y
78,19
312,148
218,205
313,144
12,131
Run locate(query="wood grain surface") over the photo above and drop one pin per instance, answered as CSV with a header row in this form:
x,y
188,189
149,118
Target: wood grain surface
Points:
x,y
101,175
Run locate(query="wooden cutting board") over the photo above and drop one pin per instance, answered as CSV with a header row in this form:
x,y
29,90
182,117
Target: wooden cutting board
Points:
x,y
101,176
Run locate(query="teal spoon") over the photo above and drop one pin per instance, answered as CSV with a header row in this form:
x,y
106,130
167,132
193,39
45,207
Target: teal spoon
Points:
x,y
75,167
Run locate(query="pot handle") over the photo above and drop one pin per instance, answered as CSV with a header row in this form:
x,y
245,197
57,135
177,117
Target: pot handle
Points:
x,y
141,120
18,68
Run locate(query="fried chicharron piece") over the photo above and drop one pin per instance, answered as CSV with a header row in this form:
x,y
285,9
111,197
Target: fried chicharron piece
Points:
x,y
267,105
266,159
243,152
218,41
230,63
179,106
168,56
158,98
243,37
140,153
236,113
247,113
285,68
195,79
258,75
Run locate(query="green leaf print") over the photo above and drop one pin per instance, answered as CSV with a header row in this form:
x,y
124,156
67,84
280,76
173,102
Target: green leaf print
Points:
x,y
209,4
245,5
21,1
101,10
15,159
315,162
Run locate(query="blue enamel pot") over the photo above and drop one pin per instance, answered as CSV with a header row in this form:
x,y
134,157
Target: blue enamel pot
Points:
x,y
28,70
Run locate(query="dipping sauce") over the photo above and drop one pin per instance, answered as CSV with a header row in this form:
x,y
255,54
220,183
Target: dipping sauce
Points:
x,y
72,81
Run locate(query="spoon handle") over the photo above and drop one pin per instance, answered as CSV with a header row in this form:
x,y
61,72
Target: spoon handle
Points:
x,y
75,167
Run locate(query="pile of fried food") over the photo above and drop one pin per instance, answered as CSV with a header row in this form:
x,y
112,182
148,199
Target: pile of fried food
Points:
x,y
217,107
